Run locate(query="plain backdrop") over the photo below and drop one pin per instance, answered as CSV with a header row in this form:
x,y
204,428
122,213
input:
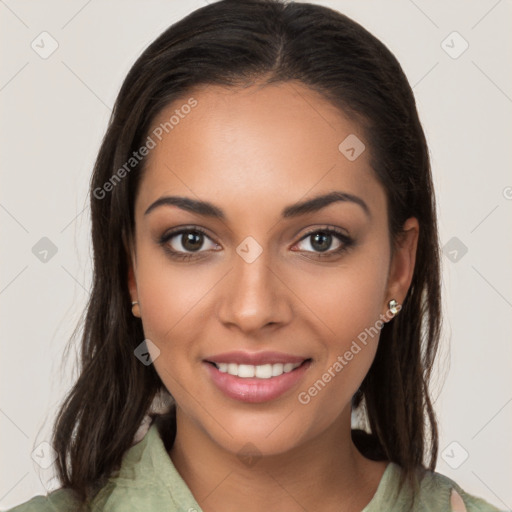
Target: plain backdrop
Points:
x,y
54,112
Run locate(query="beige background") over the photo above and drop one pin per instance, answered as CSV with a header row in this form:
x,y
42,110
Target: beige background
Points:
x,y
54,112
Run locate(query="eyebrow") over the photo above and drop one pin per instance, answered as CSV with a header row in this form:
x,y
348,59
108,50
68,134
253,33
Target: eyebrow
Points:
x,y
208,209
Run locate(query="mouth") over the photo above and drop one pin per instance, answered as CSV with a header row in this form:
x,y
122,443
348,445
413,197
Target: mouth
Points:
x,y
256,383
260,371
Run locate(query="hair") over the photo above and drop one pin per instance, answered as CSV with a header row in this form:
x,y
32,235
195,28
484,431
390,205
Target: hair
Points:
x,y
237,43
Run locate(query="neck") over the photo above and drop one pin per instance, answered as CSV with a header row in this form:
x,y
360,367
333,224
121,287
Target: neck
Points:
x,y
326,472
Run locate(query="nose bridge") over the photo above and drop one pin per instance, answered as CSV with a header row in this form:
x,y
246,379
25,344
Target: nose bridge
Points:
x,y
253,296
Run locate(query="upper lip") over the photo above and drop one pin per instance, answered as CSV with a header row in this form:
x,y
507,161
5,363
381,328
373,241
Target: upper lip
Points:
x,y
255,358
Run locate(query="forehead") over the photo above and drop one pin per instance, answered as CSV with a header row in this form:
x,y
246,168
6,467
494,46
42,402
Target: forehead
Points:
x,y
277,142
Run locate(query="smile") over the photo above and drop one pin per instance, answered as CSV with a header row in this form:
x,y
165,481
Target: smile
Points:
x,y
263,371
256,383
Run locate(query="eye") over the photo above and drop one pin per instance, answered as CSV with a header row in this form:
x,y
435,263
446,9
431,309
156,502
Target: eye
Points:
x,y
184,242
320,241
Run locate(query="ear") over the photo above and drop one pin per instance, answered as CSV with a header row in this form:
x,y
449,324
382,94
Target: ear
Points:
x,y
402,263
132,284
132,281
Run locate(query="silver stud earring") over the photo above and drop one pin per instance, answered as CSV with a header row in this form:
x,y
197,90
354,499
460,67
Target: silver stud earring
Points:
x,y
394,307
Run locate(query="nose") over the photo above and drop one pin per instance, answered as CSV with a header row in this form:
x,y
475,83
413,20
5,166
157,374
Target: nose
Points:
x,y
254,296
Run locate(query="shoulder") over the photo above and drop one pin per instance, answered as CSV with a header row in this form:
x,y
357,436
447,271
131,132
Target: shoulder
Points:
x,y
56,501
147,480
438,489
434,493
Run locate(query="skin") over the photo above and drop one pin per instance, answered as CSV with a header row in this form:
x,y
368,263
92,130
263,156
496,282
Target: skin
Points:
x,y
252,152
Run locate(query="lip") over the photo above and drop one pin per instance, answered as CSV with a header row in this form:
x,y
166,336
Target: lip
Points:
x,y
255,358
254,390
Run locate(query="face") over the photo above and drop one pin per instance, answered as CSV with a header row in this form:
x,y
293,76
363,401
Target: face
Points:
x,y
257,301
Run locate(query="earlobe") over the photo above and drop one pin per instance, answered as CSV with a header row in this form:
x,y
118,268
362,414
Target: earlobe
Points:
x,y
136,309
403,262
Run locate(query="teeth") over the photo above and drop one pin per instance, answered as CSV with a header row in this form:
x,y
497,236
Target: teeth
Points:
x,y
262,371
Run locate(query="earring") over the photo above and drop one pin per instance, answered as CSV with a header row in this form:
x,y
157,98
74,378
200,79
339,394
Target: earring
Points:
x,y
394,307
135,309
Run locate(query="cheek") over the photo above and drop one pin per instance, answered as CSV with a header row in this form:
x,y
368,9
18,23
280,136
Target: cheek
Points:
x,y
173,315
170,295
348,299
347,304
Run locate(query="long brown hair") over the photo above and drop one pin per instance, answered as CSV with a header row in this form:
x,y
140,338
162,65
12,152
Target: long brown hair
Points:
x,y
238,42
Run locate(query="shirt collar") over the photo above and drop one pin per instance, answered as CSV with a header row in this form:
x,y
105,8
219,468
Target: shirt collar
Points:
x,y
148,472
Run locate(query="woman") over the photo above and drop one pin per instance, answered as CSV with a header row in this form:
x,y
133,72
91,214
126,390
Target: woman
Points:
x,y
265,266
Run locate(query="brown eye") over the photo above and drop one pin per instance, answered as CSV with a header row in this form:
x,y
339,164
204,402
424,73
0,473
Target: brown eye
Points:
x,y
184,242
192,241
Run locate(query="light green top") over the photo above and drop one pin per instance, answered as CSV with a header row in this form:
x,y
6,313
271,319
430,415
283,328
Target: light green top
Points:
x,y
149,482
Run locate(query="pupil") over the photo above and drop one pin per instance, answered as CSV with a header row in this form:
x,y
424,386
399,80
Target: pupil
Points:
x,y
323,241
192,241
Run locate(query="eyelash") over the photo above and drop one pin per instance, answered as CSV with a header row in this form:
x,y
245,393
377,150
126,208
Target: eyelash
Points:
x,y
346,241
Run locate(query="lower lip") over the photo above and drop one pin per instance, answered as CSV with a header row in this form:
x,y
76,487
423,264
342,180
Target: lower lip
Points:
x,y
255,390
